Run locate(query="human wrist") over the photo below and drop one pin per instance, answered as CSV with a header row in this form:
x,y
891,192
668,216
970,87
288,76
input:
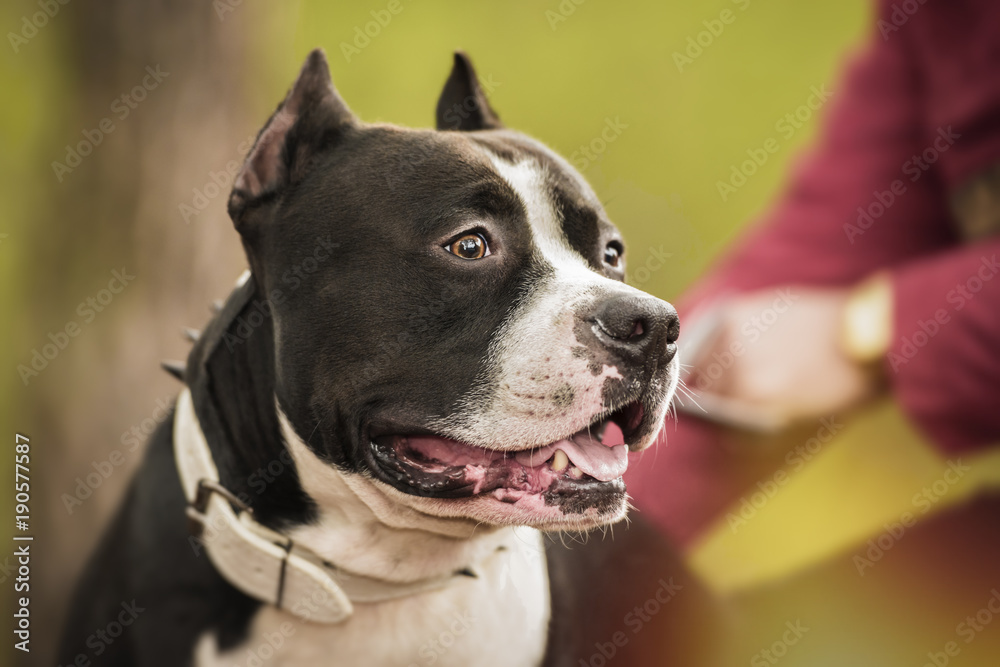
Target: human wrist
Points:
x,y
866,320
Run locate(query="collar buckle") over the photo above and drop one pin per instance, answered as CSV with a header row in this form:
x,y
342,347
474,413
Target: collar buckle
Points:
x,y
196,509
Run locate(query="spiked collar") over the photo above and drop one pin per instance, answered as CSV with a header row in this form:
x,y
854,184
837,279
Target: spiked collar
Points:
x,y
262,562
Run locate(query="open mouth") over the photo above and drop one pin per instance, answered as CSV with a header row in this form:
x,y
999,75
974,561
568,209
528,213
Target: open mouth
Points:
x,y
575,473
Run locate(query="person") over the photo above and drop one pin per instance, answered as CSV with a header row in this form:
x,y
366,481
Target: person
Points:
x,y
876,275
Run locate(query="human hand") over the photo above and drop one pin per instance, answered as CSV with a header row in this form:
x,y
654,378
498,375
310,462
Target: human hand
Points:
x,y
778,352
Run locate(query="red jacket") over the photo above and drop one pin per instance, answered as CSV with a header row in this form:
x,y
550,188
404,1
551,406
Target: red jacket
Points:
x,y
915,117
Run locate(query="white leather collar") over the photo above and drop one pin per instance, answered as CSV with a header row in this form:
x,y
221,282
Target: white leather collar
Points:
x,y
261,562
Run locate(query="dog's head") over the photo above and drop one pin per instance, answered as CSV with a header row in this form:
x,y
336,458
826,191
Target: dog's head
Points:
x,y
450,317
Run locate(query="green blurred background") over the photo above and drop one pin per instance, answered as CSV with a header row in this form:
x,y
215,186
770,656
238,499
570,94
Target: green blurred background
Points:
x,y
229,64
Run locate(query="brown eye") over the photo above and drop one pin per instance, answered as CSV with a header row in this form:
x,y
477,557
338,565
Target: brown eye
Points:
x,y
469,246
613,254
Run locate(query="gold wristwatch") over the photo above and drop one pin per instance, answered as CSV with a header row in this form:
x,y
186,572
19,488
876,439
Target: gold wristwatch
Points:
x,y
866,322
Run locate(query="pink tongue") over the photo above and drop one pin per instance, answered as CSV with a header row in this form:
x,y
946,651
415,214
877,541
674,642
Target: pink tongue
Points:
x,y
585,452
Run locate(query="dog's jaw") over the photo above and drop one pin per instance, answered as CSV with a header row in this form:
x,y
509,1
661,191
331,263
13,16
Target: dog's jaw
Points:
x,y
363,523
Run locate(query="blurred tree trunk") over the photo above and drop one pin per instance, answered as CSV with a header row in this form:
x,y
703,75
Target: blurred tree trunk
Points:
x,y
120,210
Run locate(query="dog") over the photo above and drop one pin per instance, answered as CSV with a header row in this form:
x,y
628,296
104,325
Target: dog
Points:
x,y
397,432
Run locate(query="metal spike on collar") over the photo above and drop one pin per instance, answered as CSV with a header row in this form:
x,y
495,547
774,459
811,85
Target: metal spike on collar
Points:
x,y
191,334
175,368
217,306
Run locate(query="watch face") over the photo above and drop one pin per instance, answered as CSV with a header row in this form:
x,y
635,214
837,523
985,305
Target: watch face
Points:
x,y
868,320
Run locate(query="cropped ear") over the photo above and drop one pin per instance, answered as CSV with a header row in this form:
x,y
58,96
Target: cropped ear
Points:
x,y
463,105
309,120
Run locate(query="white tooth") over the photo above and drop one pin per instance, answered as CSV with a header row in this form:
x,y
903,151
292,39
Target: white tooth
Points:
x,y
560,460
575,473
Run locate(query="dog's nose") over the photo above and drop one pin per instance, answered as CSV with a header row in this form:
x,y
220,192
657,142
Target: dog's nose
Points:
x,y
634,325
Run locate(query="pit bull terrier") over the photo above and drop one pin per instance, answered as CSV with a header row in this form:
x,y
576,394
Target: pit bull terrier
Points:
x,y
396,435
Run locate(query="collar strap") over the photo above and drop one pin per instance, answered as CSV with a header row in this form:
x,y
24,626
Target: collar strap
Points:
x,y
259,561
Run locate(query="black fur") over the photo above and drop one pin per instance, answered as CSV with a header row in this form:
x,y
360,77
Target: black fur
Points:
x,y
351,307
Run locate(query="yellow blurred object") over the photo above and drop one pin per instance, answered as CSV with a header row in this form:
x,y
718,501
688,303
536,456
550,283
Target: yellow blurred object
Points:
x,y
876,475
867,320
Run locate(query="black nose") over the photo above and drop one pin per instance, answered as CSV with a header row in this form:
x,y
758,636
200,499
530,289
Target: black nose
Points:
x,y
637,325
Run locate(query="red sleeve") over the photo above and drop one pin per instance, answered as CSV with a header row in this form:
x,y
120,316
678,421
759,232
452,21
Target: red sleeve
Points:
x,y
945,361
957,50
916,117
839,217
839,220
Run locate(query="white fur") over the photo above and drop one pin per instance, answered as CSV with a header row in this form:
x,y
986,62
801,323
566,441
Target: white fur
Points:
x,y
499,618
531,359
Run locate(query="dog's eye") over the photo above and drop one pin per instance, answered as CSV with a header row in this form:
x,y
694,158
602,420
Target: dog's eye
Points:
x,y
469,246
613,254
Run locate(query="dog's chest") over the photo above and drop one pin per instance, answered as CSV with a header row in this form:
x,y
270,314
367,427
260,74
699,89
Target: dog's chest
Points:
x,y
499,618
